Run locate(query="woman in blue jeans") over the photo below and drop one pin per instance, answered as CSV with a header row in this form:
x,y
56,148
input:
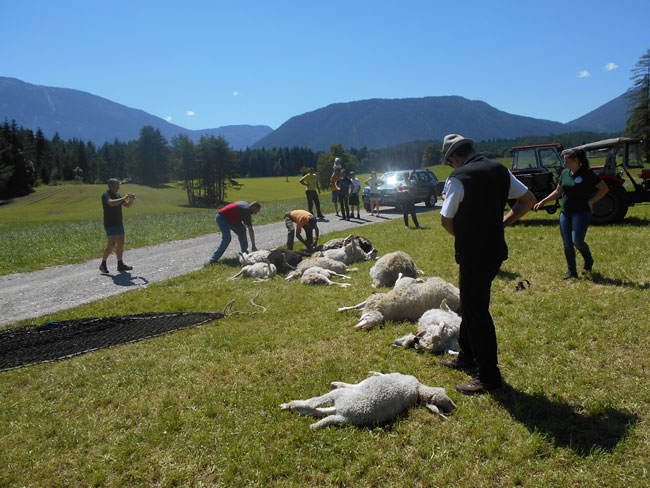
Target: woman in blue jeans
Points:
x,y
580,189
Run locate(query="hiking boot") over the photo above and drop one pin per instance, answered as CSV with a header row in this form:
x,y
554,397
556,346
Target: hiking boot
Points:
x,y
123,267
103,269
569,274
460,365
478,387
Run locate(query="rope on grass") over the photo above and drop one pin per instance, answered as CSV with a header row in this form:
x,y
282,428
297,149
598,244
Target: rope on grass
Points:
x,y
53,341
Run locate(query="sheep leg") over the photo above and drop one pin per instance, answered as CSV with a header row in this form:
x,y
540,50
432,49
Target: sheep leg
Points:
x,y
359,306
338,275
309,407
342,285
331,420
341,384
238,274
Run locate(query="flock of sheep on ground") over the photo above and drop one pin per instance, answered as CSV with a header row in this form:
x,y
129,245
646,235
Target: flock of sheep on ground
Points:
x,y
432,302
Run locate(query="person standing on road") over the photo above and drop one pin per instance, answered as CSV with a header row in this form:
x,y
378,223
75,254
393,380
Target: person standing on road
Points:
x,y
343,188
112,204
355,187
576,186
295,221
373,182
233,217
472,212
310,180
404,191
336,174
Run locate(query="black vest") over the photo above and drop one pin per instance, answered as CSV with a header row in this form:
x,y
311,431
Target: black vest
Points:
x,y
478,224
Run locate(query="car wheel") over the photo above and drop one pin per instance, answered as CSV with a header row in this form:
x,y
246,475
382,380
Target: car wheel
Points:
x,y
431,200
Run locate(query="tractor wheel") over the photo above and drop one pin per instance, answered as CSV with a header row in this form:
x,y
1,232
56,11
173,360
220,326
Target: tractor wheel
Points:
x,y
612,207
431,200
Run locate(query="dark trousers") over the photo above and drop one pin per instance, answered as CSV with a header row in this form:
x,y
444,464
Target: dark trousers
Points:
x,y
409,207
312,198
478,340
344,202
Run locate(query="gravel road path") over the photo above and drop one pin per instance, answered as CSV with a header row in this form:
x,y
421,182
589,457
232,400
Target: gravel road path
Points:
x,y
28,295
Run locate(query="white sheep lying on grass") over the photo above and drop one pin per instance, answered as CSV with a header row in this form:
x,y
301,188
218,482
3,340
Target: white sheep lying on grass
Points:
x,y
375,401
438,331
321,262
319,276
390,267
408,300
349,253
248,258
261,271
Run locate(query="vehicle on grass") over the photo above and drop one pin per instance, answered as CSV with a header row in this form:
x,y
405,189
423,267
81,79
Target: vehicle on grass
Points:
x,y
425,188
538,167
626,153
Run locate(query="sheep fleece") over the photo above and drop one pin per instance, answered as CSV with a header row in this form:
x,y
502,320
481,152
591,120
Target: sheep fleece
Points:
x,y
410,303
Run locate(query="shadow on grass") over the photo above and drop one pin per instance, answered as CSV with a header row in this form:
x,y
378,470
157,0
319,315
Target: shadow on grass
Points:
x,y
507,275
559,421
599,279
526,222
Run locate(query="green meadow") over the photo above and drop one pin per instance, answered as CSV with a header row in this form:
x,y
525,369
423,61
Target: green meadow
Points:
x,y
200,407
63,224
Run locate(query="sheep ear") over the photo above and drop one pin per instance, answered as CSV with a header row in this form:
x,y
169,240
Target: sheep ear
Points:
x,y
444,305
436,410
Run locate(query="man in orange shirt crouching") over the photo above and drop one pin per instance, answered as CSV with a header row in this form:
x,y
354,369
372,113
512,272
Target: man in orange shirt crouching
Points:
x,y
296,221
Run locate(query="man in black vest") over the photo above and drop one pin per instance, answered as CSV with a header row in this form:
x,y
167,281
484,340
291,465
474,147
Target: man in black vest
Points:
x,y
472,212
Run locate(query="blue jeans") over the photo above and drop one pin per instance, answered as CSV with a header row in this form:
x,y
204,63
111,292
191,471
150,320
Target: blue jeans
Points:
x,y
574,229
225,228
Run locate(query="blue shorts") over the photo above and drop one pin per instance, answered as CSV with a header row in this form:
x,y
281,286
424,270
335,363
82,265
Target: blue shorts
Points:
x,y
114,231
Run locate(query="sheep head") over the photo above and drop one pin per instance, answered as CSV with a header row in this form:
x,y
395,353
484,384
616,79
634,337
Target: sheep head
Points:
x,y
435,399
369,319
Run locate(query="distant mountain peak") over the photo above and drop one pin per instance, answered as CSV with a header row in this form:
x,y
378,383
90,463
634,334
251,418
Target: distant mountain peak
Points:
x,y
82,115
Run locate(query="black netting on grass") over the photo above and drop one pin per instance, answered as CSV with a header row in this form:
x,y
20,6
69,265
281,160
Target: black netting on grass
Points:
x,y
59,340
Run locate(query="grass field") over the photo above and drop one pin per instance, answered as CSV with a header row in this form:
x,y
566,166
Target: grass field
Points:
x,y
63,224
200,407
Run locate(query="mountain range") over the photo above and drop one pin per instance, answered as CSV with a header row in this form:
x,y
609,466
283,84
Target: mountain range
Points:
x,y
373,123
81,115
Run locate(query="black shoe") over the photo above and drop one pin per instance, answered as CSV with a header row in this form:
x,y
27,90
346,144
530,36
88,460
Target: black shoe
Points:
x,y
478,387
321,216
123,267
587,267
454,363
358,216
569,274
103,269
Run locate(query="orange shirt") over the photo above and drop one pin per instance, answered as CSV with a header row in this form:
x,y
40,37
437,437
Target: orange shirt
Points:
x,y
301,218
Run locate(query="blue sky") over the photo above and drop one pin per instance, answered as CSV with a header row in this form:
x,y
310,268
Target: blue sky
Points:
x,y
205,64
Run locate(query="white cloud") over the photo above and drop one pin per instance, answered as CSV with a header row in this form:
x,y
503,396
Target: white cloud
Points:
x,y
168,118
235,93
611,66
190,113
584,74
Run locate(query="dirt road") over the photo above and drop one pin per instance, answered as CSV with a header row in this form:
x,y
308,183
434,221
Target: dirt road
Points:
x,y
28,295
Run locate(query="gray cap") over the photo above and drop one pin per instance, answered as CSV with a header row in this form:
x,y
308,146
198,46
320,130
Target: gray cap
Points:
x,y
451,143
